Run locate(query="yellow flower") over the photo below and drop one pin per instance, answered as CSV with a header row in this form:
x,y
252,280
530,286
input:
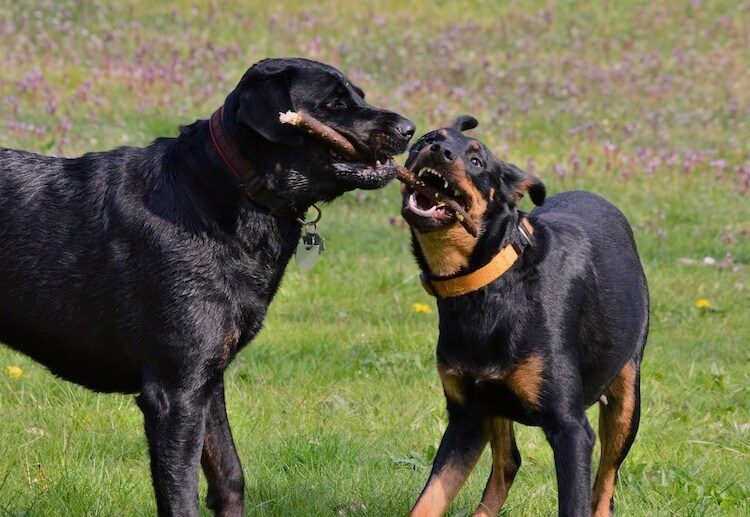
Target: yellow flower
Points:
x,y
702,303
14,371
421,307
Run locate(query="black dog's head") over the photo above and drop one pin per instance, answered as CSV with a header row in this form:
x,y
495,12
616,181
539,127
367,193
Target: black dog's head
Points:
x,y
297,165
464,170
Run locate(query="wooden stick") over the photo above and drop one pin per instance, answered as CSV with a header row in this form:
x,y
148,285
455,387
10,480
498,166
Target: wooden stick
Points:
x,y
322,132
405,176
343,147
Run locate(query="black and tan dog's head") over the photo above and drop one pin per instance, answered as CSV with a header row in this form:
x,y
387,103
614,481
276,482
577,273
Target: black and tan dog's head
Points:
x,y
298,163
462,169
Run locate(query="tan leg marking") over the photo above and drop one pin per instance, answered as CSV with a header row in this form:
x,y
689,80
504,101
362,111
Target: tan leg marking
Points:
x,y
615,421
209,460
440,491
504,467
228,345
525,380
452,381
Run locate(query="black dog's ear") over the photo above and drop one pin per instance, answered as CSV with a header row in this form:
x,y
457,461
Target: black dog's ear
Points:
x,y
264,92
464,123
519,182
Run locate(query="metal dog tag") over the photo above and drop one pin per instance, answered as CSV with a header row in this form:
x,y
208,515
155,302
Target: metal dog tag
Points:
x,y
309,249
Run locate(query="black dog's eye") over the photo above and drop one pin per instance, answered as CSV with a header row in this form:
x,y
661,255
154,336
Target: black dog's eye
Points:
x,y
476,162
336,104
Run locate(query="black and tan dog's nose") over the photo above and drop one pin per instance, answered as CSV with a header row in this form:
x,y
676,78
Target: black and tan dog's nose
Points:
x,y
405,128
441,153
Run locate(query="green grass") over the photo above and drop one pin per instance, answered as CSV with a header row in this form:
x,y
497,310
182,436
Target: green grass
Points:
x,y
336,406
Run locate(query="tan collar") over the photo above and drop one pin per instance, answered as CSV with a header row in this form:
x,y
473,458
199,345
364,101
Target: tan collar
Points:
x,y
486,274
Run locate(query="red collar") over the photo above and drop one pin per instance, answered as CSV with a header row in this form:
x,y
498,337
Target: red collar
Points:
x,y
243,171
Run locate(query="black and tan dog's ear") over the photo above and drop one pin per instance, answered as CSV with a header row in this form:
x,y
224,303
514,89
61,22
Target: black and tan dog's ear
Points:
x,y
464,123
518,183
263,93
534,186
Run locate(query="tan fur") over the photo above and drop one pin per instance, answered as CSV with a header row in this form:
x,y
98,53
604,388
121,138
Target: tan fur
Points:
x,y
447,250
228,345
615,421
209,460
477,203
525,380
440,491
491,374
452,381
523,186
502,440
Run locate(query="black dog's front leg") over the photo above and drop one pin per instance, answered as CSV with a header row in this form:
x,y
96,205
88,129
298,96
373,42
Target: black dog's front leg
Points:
x,y
572,441
226,483
462,443
174,421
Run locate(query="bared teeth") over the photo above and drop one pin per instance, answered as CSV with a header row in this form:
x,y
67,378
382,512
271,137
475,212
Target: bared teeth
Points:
x,y
431,171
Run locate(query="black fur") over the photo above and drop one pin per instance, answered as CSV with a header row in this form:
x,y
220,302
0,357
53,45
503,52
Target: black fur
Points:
x,y
146,270
577,300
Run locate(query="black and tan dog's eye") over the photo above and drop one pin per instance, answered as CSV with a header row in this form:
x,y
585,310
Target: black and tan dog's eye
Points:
x,y
477,162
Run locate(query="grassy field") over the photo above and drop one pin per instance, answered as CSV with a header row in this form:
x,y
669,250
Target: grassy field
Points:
x,y
336,407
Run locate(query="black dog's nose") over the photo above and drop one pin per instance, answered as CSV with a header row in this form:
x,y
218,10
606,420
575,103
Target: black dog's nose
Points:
x,y
405,128
441,153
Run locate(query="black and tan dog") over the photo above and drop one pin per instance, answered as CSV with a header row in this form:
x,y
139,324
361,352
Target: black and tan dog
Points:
x,y
146,270
541,316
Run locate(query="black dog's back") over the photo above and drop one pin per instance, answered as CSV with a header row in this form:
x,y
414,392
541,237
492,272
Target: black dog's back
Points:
x,y
57,219
582,221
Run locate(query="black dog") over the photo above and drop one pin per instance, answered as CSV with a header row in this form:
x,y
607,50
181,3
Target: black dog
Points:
x,y
146,270
540,317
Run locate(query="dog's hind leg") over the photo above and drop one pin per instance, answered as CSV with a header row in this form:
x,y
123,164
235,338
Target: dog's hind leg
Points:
x,y
506,460
174,419
221,465
618,424
459,450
